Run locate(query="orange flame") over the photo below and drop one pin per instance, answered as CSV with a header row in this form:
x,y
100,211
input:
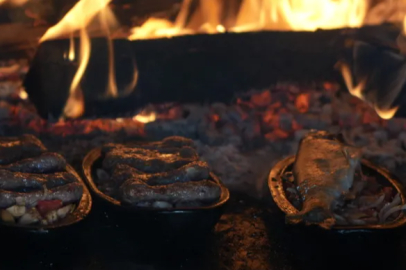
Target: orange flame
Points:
x,y
144,117
358,91
75,105
255,15
14,2
156,28
107,16
22,94
78,19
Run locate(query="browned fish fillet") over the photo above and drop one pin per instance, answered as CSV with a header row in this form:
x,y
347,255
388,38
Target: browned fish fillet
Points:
x,y
14,148
136,192
149,161
324,172
45,163
17,180
67,194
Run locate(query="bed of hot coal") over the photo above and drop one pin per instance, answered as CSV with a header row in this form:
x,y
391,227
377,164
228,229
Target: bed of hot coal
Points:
x,y
241,141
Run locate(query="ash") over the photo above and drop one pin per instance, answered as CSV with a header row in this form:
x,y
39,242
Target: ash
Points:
x,y
243,140
240,140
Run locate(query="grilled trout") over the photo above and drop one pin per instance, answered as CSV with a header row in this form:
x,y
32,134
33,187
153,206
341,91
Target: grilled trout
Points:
x,y
324,172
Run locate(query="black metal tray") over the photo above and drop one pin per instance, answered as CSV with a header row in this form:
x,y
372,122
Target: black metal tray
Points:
x,y
155,220
275,183
80,212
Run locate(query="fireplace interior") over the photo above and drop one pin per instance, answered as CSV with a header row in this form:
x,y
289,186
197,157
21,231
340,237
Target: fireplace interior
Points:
x,y
246,80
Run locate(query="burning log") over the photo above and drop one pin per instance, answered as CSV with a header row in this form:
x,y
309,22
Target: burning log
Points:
x,y
376,74
186,69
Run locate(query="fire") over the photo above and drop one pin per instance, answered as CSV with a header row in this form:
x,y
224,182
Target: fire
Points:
x,y
145,117
358,91
209,16
155,28
212,16
22,94
13,2
301,15
78,19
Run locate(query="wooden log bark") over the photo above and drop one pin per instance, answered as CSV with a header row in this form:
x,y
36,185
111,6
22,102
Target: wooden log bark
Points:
x,y
198,68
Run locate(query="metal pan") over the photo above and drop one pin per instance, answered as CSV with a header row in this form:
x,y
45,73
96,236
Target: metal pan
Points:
x,y
276,186
81,211
169,220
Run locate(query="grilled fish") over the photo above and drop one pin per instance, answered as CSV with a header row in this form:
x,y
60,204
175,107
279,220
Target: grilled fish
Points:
x,y
324,172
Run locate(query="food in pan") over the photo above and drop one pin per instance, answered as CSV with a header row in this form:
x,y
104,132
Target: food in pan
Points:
x,y
45,163
149,161
167,145
328,186
137,192
13,149
163,174
35,187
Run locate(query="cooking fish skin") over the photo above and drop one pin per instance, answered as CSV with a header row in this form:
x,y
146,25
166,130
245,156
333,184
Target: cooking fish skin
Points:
x,y
324,172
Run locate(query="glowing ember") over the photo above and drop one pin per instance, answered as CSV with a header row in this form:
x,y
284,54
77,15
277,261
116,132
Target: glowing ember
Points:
x,y
302,102
145,117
